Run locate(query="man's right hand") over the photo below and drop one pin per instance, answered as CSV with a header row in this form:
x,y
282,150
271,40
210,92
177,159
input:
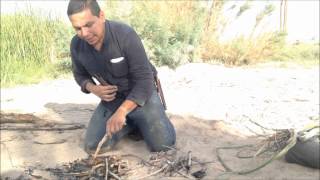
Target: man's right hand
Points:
x,y
104,92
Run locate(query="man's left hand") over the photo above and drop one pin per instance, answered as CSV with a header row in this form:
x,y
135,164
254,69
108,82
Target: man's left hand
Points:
x,y
116,121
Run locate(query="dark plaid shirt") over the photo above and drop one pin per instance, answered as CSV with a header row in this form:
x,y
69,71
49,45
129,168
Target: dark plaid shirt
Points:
x,y
133,74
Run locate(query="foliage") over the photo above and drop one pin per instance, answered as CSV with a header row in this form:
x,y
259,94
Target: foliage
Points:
x,y
170,30
177,32
34,47
243,8
29,44
242,50
299,52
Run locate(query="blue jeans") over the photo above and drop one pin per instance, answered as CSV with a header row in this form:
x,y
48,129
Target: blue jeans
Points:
x,y
150,119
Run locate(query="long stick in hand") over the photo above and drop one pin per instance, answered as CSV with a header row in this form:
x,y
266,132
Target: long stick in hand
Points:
x,y
102,141
105,137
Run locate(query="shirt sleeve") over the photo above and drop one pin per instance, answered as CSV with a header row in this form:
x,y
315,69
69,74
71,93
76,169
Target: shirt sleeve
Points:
x,y
80,74
140,72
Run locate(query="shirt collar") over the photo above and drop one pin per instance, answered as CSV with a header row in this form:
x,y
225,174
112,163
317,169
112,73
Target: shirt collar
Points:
x,y
107,33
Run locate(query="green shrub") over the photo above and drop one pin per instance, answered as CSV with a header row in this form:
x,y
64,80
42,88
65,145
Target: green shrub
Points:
x,y
299,52
241,50
170,30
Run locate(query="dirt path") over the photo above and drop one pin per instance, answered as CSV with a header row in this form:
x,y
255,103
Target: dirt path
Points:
x,y
210,106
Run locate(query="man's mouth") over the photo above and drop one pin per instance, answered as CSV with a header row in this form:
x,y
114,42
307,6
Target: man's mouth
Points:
x,y
90,40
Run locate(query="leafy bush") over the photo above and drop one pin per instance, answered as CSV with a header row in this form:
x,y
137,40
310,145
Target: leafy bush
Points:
x,y
243,50
299,52
170,30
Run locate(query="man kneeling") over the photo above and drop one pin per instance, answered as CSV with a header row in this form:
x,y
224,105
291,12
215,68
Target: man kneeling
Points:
x,y
113,53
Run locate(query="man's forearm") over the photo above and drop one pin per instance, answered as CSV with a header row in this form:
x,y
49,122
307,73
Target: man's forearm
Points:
x,y
127,106
89,86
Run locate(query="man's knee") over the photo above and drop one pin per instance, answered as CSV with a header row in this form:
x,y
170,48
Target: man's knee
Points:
x,y
90,147
161,147
162,144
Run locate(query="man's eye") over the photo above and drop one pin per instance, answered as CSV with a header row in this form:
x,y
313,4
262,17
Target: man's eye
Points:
x,y
89,25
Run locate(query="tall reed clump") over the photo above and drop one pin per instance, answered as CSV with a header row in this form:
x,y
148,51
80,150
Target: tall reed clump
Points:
x,y
28,48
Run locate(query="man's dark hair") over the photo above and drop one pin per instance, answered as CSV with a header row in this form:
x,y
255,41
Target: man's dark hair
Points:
x,y
76,6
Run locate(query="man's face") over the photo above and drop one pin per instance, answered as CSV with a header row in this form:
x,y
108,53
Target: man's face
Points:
x,y
89,27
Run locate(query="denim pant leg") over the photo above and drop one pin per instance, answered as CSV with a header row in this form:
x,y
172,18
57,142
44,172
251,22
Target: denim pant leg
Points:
x,y
97,129
154,125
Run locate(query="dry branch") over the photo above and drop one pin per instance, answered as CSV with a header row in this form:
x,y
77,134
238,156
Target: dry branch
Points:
x,y
44,127
102,141
30,122
107,169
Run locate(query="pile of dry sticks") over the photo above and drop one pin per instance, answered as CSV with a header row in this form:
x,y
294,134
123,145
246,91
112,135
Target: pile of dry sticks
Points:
x,y
82,169
116,167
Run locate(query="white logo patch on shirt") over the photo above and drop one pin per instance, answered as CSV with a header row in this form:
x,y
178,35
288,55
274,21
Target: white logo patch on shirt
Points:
x,y
117,60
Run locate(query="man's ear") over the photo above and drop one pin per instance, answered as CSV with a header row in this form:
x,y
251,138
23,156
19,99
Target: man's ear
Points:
x,y
101,15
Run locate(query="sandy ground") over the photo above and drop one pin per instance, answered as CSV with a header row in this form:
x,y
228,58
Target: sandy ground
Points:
x,y
210,106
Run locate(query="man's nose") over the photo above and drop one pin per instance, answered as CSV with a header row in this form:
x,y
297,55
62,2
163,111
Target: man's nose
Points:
x,y
84,32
